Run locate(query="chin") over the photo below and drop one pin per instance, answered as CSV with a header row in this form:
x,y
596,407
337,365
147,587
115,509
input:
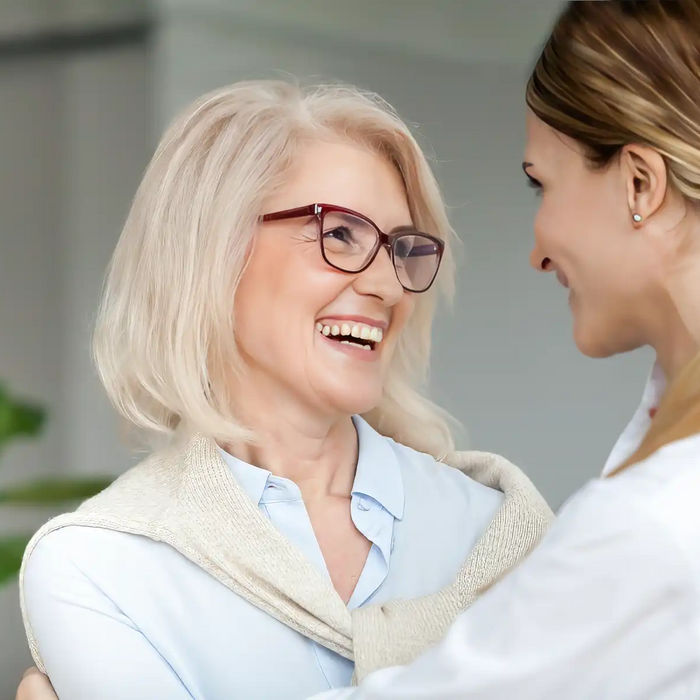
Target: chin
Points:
x,y
599,343
351,403
348,392
355,406
593,350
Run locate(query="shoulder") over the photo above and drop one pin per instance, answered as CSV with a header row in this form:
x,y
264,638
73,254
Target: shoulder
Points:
x,y
608,551
77,551
428,478
663,492
664,486
63,572
644,520
90,568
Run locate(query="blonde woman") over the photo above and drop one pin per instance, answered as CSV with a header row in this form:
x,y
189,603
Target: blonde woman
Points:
x,y
268,309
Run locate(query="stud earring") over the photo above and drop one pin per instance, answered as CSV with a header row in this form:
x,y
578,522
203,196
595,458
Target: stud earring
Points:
x,y
637,217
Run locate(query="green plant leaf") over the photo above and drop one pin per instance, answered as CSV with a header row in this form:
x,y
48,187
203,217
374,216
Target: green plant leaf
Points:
x,y
11,551
49,491
18,418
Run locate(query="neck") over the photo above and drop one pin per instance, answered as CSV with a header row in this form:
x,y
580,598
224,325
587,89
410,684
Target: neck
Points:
x,y
316,451
676,339
674,354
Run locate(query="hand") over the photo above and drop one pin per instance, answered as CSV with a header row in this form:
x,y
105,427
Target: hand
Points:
x,y
35,686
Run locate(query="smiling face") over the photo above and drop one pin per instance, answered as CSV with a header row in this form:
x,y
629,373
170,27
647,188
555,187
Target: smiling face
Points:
x,y
585,233
304,329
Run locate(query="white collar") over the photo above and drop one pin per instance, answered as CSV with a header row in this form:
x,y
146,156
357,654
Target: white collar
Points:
x,y
637,428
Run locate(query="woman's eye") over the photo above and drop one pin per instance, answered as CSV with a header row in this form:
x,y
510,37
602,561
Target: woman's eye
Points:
x,y
340,233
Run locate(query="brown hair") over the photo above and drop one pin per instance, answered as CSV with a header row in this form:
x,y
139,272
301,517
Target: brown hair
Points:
x,y
617,73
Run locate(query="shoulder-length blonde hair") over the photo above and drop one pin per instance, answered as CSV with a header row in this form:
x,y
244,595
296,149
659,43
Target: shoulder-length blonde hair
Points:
x,y
618,73
165,329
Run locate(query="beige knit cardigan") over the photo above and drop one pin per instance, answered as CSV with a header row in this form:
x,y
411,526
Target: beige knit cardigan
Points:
x,y
187,497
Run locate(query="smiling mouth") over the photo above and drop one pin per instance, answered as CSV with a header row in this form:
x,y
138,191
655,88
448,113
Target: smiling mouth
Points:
x,y
357,334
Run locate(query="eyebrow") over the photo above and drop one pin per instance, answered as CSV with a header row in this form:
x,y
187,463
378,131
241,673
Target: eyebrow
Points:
x,y
343,216
406,228
349,219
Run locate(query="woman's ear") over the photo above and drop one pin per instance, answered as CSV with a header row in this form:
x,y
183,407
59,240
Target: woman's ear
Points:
x,y
646,181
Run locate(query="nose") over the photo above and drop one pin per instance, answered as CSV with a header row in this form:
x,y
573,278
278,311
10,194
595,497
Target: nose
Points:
x,y
539,261
380,280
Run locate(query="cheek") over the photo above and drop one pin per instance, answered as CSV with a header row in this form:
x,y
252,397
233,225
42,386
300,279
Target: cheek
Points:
x,y
405,308
401,315
264,300
557,223
569,232
279,297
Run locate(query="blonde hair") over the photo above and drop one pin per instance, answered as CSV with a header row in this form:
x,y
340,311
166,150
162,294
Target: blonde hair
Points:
x,y
165,332
618,73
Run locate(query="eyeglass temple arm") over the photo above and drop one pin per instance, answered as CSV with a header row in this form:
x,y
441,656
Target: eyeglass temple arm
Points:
x,y
310,210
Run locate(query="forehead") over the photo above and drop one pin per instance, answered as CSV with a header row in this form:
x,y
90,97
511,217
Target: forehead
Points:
x,y
347,175
547,148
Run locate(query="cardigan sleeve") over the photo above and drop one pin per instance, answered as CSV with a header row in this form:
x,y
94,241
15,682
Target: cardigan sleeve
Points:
x,y
91,649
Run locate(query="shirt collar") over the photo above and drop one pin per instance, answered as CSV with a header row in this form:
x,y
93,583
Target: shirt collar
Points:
x,y
251,479
637,428
378,474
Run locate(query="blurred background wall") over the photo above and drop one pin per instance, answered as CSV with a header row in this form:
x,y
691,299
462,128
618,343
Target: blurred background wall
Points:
x,y
86,86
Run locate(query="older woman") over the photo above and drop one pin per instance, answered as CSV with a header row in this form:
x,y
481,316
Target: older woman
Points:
x,y
268,308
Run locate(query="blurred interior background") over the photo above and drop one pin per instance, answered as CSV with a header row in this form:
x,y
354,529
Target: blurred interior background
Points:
x,y
86,86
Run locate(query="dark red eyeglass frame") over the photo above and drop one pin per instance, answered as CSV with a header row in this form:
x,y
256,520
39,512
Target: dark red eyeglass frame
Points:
x,y
384,240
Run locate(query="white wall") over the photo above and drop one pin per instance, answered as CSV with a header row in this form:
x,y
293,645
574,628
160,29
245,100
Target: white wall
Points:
x,y
28,18
107,98
493,32
504,362
74,139
29,308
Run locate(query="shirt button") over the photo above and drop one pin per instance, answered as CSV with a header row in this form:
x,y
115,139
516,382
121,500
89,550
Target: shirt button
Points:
x,y
363,505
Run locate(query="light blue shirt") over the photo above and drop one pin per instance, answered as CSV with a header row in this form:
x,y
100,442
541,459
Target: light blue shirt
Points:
x,y
120,616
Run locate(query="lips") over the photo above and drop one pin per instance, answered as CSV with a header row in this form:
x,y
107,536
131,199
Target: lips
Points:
x,y
563,281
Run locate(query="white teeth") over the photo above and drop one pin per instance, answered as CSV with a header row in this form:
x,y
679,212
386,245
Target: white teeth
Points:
x,y
357,345
363,332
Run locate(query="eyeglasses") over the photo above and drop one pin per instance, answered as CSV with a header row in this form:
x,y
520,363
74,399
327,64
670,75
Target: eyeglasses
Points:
x,y
350,242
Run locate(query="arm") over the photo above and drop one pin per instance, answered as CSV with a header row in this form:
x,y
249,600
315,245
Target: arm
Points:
x,y
604,607
35,686
91,649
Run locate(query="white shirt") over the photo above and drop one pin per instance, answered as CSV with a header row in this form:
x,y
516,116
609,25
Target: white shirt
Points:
x,y
607,607
122,617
